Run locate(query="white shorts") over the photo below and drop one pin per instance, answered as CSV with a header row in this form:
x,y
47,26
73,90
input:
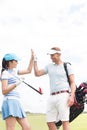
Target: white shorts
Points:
x,y
57,108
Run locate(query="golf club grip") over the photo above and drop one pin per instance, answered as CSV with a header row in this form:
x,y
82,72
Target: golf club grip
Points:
x,y
32,87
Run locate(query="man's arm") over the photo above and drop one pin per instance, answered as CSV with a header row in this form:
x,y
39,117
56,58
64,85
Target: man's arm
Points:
x,y
73,89
38,72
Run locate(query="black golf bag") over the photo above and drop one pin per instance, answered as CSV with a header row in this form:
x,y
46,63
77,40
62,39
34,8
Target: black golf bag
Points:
x,y
78,106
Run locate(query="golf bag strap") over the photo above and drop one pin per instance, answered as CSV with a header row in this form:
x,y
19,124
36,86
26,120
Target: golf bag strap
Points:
x,y
66,70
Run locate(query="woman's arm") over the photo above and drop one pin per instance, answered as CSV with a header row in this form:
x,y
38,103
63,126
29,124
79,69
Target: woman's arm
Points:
x,y
7,88
30,66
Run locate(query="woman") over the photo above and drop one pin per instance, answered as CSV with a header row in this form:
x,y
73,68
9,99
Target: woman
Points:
x,y
12,110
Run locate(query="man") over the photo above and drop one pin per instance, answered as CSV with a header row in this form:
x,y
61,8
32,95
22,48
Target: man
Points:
x,y
60,99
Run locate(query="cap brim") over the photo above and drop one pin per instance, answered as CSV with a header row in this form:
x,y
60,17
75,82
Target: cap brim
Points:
x,y
53,52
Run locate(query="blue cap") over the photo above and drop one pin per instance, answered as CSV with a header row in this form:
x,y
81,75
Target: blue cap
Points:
x,y
11,56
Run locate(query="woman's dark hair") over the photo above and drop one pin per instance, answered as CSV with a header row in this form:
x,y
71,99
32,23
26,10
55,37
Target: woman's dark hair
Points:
x,y
5,64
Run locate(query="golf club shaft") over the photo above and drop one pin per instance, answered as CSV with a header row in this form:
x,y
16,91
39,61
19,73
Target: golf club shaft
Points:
x,y
27,84
31,87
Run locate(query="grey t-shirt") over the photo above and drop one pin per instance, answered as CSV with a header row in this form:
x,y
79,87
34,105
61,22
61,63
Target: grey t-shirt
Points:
x,y
57,76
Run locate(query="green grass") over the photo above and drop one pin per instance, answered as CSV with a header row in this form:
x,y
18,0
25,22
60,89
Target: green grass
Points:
x,y
37,122
80,122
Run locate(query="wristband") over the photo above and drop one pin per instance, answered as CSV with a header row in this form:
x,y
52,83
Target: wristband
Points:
x,y
35,58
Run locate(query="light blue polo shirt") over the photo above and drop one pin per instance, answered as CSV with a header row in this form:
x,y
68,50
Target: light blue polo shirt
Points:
x,y
57,76
10,75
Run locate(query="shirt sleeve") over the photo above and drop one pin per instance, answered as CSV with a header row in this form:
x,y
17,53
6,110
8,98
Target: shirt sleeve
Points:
x,y
4,75
70,69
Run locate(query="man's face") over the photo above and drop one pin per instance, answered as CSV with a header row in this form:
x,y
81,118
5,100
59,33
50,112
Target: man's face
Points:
x,y
55,57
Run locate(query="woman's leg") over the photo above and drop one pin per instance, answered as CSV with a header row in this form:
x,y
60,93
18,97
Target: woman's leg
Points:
x,y
24,123
10,123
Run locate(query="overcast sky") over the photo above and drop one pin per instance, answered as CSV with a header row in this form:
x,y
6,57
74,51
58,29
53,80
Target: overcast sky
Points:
x,y
41,24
